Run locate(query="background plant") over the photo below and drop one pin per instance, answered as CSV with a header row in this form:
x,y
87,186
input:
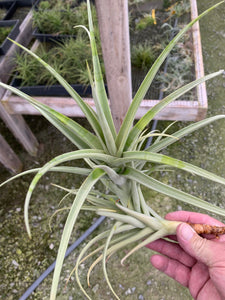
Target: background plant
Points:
x,y
178,8
61,17
2,13
146,20
119,162
4,32
143,55
180,64
61,57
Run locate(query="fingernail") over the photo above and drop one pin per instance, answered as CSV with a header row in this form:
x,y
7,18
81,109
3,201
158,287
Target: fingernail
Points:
x,y
186,232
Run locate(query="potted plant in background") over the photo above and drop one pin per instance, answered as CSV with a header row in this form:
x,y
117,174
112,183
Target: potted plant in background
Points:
x,y
118,161
32,78
55,21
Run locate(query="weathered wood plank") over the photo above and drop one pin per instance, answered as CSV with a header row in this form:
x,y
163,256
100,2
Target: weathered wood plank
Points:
x,y
114,31
177,110
15,122
20,129
198,60
8,157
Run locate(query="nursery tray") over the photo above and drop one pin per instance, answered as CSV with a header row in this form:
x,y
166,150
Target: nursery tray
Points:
x,y
44,37
4,47
51,91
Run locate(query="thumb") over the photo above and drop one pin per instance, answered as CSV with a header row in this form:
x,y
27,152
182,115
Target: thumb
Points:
x,y
200,248
209,252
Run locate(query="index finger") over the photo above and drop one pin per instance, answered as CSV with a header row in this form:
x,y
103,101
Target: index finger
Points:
x,y
192,217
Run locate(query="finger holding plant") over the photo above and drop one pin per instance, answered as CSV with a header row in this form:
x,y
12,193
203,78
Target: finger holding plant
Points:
x,y
120,162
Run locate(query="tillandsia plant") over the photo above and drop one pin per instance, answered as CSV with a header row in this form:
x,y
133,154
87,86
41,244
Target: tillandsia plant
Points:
x,y
118,161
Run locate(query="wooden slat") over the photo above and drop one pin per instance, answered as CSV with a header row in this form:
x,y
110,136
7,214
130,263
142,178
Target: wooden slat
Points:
x,y
177,110
114,31
198,60
7,63
15,122
8,157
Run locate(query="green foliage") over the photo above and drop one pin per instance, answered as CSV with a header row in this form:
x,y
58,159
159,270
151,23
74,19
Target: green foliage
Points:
x,y
4,32
178,8
45,5
143,56
61,56
2,13
145,21
60,18
166,3
179,66
120,162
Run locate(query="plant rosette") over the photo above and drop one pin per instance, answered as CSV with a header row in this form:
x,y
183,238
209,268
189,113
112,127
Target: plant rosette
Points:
x,y
120,162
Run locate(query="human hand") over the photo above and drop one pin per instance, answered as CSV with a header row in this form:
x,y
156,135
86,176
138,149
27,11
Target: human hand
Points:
x,y
195,262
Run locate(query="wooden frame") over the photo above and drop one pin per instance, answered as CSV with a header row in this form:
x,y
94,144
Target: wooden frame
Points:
x,y
8,157
178,110
15,122
114,33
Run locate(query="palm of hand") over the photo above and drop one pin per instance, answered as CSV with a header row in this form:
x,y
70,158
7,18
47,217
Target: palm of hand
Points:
x,y
185,269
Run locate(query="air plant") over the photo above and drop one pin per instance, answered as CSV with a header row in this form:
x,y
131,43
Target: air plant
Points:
x,y
120,161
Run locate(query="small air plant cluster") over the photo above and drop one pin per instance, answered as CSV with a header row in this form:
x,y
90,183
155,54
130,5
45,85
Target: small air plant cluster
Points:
x,y
120,162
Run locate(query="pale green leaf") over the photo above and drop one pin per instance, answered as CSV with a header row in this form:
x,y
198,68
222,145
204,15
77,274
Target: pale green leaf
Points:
x,y
108,240
74,155
63,169
102,104
156,147
163,159
71,219
171,191
86,109
77,134
144,121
